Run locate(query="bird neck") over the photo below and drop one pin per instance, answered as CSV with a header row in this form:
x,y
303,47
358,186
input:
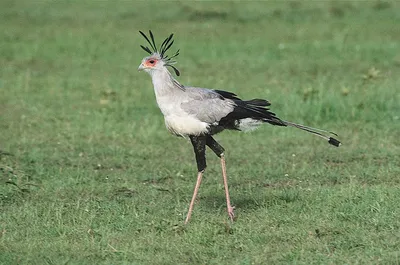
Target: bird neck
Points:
x,y
164,83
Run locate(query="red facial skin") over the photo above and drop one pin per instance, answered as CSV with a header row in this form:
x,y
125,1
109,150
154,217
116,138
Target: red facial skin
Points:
x,y
150,63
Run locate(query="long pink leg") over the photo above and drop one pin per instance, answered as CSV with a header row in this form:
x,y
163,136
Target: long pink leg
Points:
x,y
228,200
196,190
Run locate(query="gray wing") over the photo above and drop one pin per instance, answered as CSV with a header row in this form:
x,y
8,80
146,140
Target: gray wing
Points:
x,y
206,105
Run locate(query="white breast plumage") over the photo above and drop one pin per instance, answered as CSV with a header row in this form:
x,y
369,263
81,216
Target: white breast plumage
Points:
x,y
185,125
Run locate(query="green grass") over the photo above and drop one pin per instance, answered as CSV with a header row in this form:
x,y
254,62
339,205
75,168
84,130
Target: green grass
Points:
x,y
95,178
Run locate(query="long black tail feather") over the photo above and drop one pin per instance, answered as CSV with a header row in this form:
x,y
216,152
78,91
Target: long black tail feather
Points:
x,y
257,109
318,132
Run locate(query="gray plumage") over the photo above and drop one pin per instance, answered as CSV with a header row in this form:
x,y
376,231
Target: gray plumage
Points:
x,y
206,105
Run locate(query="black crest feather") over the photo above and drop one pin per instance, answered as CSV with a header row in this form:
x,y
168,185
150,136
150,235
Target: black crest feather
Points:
x,y
146,49
175,69
164,47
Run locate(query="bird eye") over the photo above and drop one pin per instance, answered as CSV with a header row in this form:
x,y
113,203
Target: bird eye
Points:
x,y
151,61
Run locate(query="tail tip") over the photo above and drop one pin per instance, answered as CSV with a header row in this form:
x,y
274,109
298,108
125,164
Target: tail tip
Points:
x,y
334,142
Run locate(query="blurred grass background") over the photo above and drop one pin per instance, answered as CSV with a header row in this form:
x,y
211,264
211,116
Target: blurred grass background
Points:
x,y
89,174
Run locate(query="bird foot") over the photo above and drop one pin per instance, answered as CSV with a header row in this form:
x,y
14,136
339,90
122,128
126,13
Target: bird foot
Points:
x,y
231,213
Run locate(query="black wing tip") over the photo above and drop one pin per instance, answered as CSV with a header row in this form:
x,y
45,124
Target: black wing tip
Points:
x,y
259,102
334,142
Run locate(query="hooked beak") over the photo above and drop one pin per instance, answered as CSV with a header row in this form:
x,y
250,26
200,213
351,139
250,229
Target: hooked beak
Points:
x,y
141,67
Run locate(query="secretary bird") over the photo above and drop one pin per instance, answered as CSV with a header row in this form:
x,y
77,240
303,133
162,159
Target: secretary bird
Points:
x,y
199,113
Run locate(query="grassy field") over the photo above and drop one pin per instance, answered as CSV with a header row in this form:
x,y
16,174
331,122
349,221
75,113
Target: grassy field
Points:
x,y
89,174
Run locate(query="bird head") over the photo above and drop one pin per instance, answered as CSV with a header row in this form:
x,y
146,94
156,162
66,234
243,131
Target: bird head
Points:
x,y
158,60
